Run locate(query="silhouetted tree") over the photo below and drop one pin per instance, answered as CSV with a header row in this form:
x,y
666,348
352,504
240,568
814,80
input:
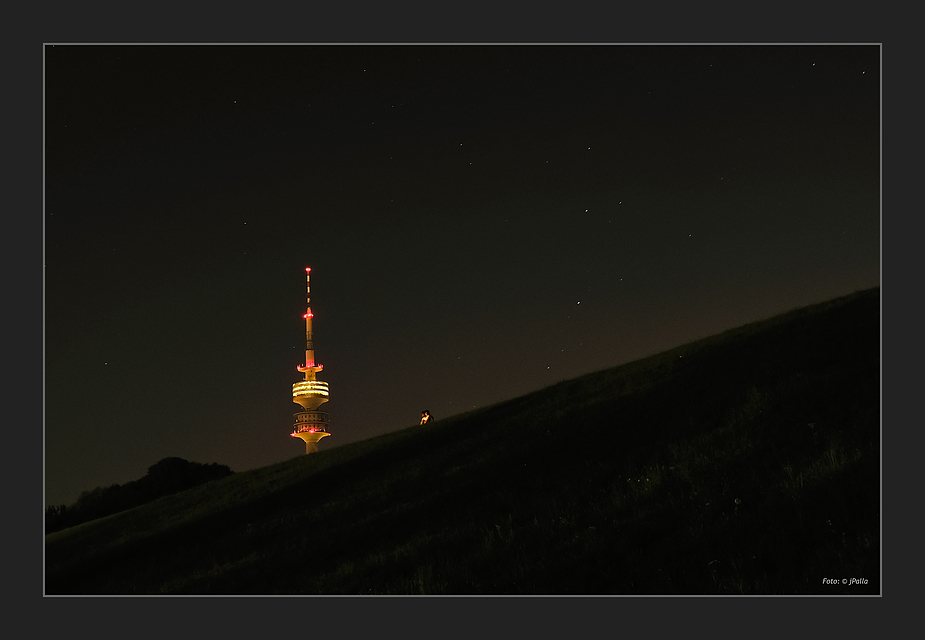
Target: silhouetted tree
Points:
x,y
167,476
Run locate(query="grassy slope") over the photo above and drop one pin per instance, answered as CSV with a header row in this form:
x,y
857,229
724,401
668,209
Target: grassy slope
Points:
x,y
743,463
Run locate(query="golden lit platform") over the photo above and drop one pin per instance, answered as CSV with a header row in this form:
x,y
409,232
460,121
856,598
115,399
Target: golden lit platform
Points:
x,y
311,439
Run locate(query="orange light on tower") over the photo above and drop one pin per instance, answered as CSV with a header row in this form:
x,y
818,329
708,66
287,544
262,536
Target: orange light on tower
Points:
x,y
311,424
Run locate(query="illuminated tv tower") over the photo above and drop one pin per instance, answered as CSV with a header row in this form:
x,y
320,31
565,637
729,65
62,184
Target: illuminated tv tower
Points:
x,y
311,424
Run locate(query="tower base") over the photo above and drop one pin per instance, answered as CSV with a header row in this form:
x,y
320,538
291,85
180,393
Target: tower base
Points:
x,y
311,439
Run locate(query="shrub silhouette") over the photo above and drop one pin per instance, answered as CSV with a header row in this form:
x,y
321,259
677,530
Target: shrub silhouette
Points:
x,y
167,476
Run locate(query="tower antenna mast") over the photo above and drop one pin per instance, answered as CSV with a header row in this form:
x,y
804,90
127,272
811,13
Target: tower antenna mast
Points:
x,y
309,345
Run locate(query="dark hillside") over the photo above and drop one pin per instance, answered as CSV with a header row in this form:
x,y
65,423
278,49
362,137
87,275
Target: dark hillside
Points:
x,y
745,463
170,475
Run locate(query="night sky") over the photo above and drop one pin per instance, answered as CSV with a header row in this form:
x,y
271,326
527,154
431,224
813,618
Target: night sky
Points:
x,y
480,221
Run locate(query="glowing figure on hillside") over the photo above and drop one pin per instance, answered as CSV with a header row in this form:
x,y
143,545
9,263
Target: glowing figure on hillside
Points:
x,y
311,424
426,418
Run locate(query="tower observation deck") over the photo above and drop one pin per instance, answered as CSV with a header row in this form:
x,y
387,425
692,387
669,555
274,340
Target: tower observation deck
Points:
x,y
311,424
